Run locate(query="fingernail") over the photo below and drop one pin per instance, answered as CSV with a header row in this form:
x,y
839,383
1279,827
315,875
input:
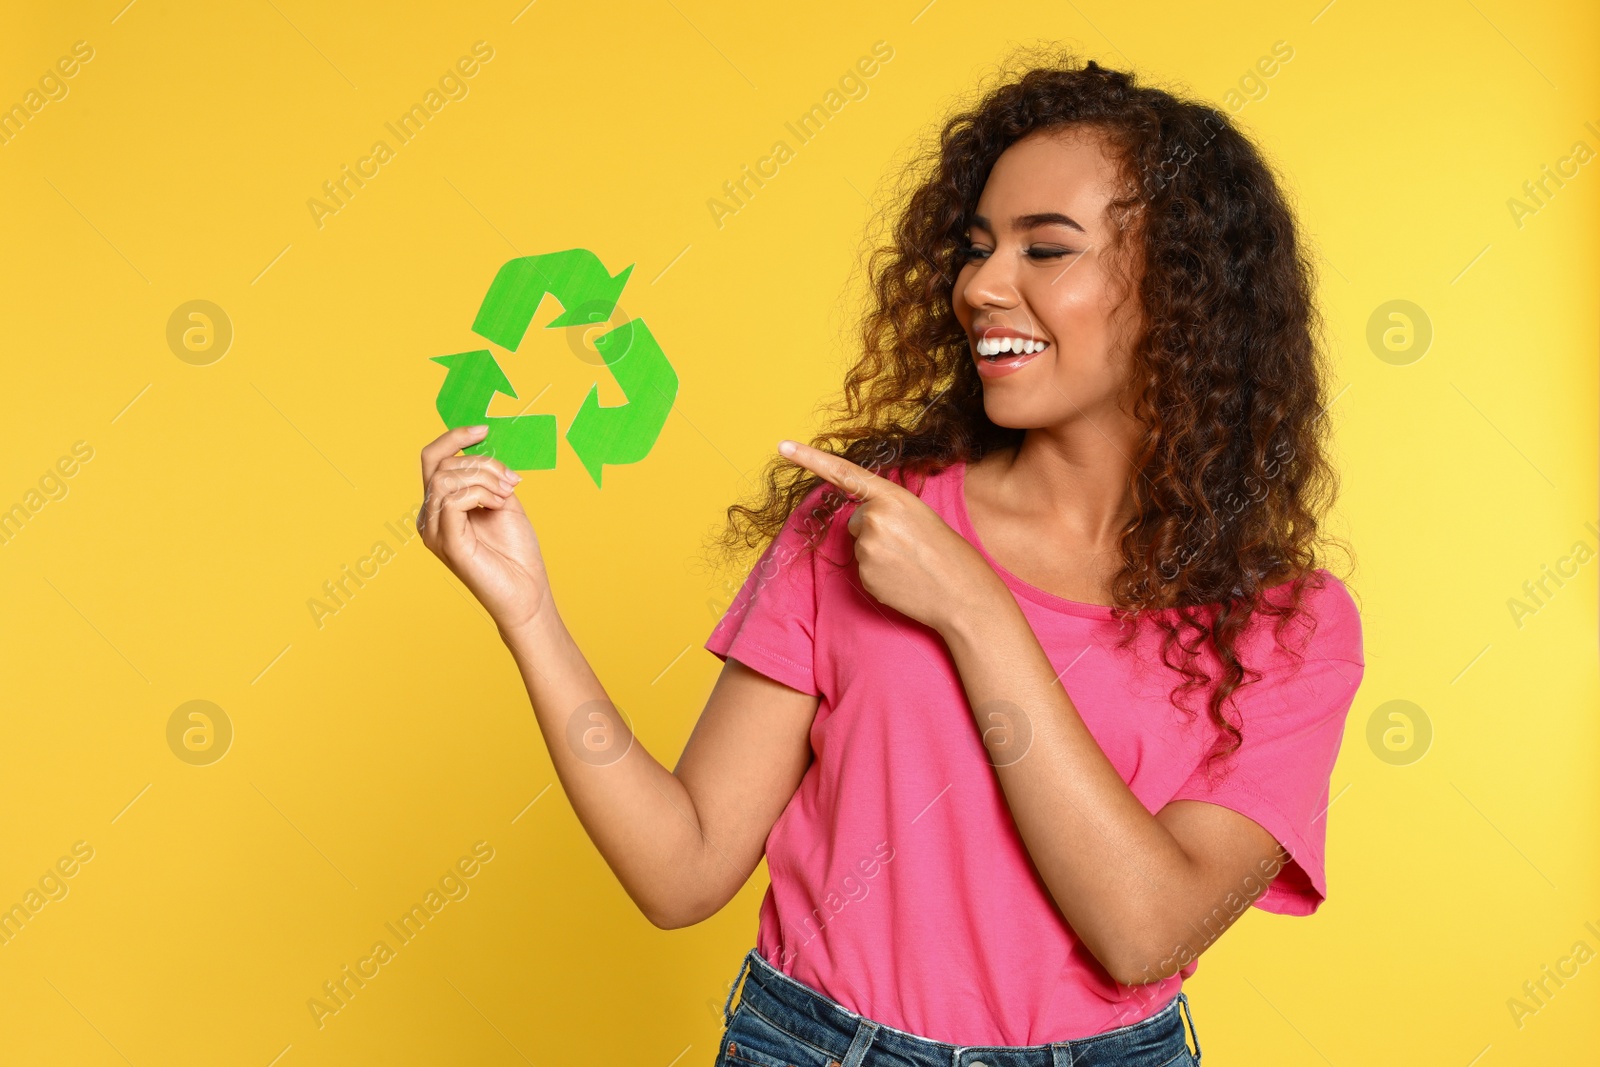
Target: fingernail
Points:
x,y
480,429
513,477
786,447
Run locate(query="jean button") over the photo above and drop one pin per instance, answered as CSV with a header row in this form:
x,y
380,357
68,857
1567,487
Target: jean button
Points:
x,y
979,1063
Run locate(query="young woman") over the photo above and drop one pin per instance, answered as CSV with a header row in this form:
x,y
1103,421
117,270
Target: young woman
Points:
x,y
1061,698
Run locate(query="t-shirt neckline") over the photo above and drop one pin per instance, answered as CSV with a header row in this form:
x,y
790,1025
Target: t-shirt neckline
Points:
x,y
1017,585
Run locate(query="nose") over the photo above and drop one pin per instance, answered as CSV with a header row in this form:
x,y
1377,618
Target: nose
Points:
x,y
993,284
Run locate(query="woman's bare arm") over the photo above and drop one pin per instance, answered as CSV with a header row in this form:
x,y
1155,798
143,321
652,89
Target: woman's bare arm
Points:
x,y
681,842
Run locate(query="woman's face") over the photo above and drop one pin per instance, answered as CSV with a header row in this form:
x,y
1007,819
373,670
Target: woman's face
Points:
x,y
1040,270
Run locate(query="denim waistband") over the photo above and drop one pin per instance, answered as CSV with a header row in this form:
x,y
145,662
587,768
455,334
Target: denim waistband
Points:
x,y
817,1020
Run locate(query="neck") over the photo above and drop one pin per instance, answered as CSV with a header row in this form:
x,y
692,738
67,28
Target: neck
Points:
x,y
1076,474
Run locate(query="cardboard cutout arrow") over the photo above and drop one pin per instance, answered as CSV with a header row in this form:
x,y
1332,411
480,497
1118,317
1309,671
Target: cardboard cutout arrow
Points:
x,y
575,277
521,442
626,433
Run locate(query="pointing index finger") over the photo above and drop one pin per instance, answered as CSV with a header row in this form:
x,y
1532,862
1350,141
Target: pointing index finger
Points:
x,y
857,482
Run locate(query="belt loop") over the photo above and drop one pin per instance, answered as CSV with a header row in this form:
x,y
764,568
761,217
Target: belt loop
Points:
x,y
1183,1005
1062,1054
866,1030
727,1018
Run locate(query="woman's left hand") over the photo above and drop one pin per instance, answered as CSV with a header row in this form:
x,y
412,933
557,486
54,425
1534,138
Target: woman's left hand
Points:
x,y
908,556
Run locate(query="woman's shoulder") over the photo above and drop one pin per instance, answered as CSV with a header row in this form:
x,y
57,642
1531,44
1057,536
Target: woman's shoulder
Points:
x,y
1322,589
1327,611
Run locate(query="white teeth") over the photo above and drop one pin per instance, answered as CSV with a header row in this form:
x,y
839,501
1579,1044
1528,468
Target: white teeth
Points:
x,y
1000,345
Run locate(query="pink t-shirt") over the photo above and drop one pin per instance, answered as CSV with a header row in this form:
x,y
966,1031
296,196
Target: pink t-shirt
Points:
x,y
900,886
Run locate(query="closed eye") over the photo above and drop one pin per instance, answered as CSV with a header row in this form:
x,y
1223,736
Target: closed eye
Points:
x,y
968,253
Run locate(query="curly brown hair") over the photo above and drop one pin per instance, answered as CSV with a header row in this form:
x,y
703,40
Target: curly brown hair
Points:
x,y
1229,373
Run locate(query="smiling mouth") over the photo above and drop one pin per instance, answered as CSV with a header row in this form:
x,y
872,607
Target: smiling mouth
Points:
x,y
1000,348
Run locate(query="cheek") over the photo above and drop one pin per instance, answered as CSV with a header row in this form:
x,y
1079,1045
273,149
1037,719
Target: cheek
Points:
x,y
1097,310
1090,358
1077,319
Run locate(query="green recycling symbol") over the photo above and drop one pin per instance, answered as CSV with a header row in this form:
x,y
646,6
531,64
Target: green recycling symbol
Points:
x,y
599,435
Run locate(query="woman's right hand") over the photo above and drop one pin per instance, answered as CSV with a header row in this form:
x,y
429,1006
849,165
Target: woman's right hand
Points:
x,y
471,518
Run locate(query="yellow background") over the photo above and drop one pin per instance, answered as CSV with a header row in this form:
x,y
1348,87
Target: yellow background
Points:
x,y
371,753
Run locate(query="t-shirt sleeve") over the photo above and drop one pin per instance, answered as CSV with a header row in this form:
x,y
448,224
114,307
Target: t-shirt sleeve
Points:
x,y
771,624
1292,720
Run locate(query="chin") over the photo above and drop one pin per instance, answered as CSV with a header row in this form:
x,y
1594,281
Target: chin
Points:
x,y
1009,415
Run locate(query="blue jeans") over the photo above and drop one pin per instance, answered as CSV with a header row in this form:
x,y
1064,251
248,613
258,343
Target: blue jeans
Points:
x,y
781,1022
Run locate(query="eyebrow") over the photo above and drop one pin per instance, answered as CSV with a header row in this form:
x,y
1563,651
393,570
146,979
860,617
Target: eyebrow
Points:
x,y
1028,222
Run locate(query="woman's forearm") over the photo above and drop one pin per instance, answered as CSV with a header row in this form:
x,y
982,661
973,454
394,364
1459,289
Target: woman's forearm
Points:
x,y
636,811
1114,871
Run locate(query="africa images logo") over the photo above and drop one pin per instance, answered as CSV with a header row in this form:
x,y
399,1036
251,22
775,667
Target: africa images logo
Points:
x,y
588,294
